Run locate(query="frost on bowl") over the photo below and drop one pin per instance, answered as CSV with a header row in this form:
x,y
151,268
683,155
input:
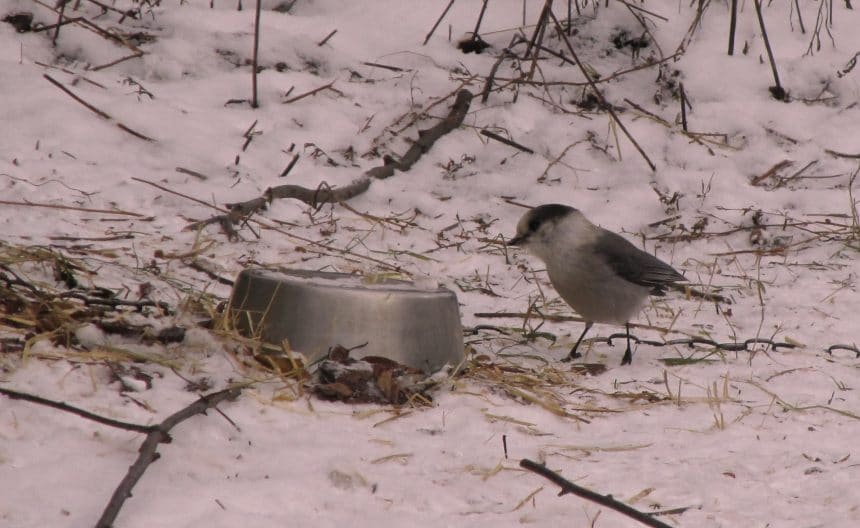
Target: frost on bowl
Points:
x,y
314,311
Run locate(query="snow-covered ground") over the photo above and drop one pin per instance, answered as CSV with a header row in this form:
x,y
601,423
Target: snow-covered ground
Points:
x,y
766,438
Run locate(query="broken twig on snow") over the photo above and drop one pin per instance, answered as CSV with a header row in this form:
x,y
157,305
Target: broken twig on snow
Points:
x,y
238,212
160,434
15,395
604,500
95,110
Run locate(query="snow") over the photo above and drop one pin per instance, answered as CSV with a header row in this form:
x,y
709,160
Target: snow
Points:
x,y
747,439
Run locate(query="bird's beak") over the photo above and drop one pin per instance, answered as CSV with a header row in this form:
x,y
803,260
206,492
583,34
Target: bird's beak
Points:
x,y
516,241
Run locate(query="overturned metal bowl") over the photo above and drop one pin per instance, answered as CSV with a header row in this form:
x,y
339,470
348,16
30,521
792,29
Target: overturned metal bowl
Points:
x,y
316,310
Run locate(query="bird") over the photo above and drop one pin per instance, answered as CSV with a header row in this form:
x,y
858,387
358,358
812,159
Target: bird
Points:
x,y
600,274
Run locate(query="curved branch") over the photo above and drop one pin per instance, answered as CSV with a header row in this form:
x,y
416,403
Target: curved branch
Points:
x,y
239,212
148,454
604,500
15,395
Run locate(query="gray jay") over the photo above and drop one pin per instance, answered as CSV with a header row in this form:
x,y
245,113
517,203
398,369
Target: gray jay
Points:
x,y
601,275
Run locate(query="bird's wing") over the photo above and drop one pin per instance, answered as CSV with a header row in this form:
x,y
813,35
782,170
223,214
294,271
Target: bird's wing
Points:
x,y
635,265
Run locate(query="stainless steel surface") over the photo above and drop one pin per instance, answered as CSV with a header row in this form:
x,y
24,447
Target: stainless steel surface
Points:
x,y
317,310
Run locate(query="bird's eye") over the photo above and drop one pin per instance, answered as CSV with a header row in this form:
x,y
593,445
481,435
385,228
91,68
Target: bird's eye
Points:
x,y
534,224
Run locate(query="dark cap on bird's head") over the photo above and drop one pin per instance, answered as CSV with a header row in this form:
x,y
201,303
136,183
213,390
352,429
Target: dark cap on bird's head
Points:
x,y
536,217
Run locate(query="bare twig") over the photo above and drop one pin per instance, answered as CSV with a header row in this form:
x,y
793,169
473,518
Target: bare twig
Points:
x,y
15,395
315,91
198,175
87,24
488,85
604,500
837,154
799,16
637,8
290,165
254,102
777,91
599,95
148,450
70,208
384,66
697,20
239,212
475,35
59,21
326,39
438,21
95,110
683,107
733,22
500,139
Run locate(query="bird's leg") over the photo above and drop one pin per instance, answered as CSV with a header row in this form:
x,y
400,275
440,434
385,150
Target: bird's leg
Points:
x,y
628,355
573,353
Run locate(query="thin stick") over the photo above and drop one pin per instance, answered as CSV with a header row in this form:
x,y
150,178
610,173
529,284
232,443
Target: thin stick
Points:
x,y
604,500
198,175
799,16
500,139
94,109
306,94
383,66
475,35
70,208
643,10
485,94
569,19
59,21
15,395
537,26
604,103
777,91
254,102
290,166
134,55
683,107
439,21
323,41
537,38
733,22
148,450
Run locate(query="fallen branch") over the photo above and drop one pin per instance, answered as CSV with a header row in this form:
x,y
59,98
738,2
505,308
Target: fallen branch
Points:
x,y
326,39
95,110
329,86
837,154
438,21
604,500
15,395
90,26
603,103
239,212
776,90
228,228
70,208
555,318
148,455
114,302
500,139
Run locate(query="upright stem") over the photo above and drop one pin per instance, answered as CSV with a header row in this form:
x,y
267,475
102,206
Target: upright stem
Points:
x,y
733,22
254,103
777,91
